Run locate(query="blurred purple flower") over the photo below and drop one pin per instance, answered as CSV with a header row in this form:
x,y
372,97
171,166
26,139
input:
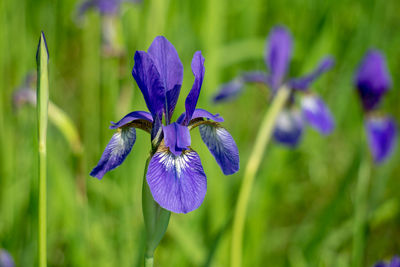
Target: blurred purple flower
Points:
x,y
372,81
5,259
25,93
395,262
277,58
175,174
105,7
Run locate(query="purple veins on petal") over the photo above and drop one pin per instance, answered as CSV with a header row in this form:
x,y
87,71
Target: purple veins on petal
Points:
x,y
229,91
5,259
289,127
115,152
382,137
177,183
148,79
176,138
193,96
135,115
372,79
170,68
303,83
278,55
317,114
222,147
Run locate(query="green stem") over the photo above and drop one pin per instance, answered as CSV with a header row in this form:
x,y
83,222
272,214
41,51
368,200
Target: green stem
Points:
x,y
148,262
361,210
156,220
263,137
42,105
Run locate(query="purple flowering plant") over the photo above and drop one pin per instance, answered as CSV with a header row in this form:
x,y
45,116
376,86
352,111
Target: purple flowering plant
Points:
x,y
175,174
372,80
105,7
290,122
395,262
6,259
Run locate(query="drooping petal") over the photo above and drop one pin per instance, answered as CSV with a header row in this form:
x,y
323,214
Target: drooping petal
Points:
x,y
278,55
372,79
116,151
5,259
193,96
177,183
289,127
200,114
222,146
170,68
317,114
229,91
135,115
303,83
382,136
148,79
177,138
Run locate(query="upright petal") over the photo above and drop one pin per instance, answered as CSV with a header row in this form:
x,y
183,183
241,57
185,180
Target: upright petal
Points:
x,y
177,183
116,151
177,138
382,136
148,79
170,68
193,96
317,114
289,128
372,79
278,55
222,146
304,83
229,91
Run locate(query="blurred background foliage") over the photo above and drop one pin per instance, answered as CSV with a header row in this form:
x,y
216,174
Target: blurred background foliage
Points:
x,y
301,209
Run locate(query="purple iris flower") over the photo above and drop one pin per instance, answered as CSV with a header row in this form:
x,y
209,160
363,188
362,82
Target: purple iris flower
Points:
x,y
395,262
175,174
5,259
372,81
290,123
105,7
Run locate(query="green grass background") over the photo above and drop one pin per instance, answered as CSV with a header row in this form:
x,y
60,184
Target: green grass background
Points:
x,y
302,206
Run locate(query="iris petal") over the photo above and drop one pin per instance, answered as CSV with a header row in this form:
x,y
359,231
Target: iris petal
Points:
x,y
193,96
229,91
372,79
6,259
135,115
115,152
278,55
382,135
170,68
177,138
222,146
305,82
177,183
289,128
317,114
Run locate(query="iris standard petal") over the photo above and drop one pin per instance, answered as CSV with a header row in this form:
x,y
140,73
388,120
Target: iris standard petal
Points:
x,y
222,146
372,79
148,79
382,136
135,115
170,68
229,91
289,127
304,83
5,259
278,55
177,138
116,151
317,114
177,183
193,96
